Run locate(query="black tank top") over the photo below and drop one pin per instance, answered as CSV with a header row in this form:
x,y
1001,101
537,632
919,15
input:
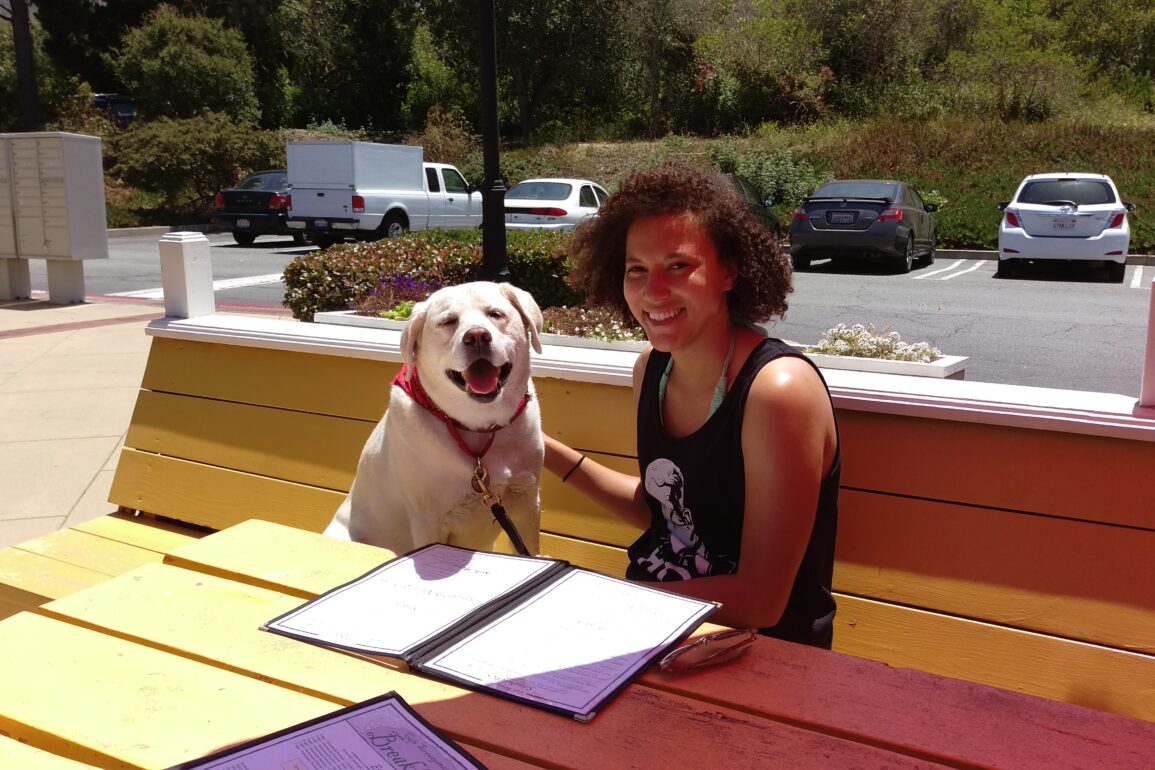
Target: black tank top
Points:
x,y
695,487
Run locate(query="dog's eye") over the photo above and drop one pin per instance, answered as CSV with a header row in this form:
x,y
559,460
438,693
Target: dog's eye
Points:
x,y
497,314
448,320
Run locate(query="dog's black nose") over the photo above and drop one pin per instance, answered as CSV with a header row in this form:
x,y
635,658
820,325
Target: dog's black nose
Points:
x,y
477,336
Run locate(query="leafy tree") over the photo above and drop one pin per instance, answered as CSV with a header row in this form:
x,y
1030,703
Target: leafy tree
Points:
x,y
435,85
349,60
1019,66
176,66
80,32
660,40
770,62
555,58
189,159
55,90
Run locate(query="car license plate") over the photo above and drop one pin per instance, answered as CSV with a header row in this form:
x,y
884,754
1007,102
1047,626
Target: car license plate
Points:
x,y
320,223
242,223
841,217
1063,224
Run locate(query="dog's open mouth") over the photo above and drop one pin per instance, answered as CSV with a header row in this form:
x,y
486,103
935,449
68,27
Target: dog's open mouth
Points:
x,y
482,380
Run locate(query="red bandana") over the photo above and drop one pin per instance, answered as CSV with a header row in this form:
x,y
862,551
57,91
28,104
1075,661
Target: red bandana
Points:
x,y
413,389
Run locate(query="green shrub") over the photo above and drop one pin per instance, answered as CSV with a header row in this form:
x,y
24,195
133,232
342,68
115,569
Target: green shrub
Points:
x,y
188,160
375,277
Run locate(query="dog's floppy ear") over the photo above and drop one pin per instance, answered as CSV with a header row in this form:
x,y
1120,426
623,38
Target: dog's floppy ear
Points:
x,y
530,313
409,337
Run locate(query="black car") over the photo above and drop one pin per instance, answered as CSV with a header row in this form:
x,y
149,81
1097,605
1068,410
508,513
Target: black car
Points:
x,y
870,218
758,205
259,205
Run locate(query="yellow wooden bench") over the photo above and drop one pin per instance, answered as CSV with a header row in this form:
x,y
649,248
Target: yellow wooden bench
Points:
x,y
1012,555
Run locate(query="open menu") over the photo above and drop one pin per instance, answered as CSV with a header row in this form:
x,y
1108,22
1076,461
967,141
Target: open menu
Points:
x,y
535,630
380,732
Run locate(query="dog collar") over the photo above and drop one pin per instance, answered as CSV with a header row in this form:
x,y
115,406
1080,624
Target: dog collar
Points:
x,y
412,387
480,480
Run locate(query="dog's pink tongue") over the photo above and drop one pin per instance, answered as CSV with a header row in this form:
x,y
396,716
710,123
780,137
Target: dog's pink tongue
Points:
x,y
481,377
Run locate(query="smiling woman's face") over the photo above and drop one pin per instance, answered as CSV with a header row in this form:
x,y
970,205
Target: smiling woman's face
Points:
x,y
675,283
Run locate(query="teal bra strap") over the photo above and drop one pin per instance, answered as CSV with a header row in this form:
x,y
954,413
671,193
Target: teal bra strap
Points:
x,y
719,389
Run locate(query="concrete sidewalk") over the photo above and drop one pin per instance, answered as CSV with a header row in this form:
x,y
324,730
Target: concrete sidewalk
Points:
x,y
69,376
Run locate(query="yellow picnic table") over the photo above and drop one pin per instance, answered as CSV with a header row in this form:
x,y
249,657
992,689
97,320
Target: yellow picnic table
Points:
x,y
166,663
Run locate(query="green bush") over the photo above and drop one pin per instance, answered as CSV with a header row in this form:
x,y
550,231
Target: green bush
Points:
x,y
187,161
369,276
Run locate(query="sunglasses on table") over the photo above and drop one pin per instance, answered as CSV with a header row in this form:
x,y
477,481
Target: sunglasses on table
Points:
x,y
709,650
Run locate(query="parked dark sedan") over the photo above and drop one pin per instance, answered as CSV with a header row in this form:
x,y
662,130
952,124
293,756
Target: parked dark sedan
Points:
x,y
758,205
259,205
871,218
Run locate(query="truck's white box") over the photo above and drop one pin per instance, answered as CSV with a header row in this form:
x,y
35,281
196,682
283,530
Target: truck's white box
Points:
x,y
358,165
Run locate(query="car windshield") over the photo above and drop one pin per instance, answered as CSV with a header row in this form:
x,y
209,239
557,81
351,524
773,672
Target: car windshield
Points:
x,y
264,182
540,191
856,190
1084,192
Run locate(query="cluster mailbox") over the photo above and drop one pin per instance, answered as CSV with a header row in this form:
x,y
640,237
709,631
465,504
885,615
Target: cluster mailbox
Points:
x,y
51,208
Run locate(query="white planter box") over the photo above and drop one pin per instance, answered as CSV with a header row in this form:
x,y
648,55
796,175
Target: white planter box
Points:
x,y
350,318
945,367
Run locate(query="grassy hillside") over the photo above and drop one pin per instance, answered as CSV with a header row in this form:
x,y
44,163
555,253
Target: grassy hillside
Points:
x,y
966,166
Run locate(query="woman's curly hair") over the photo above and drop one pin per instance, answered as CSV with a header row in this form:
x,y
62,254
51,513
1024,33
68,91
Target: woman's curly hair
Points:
x,y
599,246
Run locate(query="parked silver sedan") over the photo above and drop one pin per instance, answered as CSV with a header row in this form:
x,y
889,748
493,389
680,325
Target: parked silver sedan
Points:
x,y
552,204
871,218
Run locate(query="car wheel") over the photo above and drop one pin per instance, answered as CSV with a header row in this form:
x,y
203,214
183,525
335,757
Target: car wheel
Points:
x,y
300,238
800,262
906,261
1007,268
244,239
928,258
1118,271
392,225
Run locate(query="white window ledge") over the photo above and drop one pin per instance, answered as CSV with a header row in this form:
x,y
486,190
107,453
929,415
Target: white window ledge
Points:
x,y
1100,414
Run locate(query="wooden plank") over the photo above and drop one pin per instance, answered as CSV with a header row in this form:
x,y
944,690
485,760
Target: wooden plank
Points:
x,y
317,450
280,558
98,699
788,683
27,580
589,416
608,559
216,497
947,720
1029,572
204,618
141,530
109,557
566,511
307,382
1036,471
21,756
1020,661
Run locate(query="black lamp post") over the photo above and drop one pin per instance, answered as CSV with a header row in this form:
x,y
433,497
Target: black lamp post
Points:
x,y
493,264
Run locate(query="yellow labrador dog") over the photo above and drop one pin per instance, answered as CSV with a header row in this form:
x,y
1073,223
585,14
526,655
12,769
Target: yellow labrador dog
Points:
x,y
463,405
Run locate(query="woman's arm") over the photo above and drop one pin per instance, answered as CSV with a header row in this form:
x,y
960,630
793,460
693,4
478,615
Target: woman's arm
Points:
x,y
620,493
788,444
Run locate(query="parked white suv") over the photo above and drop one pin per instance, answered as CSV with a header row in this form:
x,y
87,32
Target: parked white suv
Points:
x,y
1065,216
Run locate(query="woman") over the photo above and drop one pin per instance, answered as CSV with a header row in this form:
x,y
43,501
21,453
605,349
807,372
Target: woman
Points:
x,y
737,443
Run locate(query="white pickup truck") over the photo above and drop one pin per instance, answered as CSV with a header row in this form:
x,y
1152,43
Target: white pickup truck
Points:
x,y
369,191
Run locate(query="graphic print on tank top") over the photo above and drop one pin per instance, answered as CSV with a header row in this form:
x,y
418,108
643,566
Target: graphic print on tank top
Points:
x,y
679,554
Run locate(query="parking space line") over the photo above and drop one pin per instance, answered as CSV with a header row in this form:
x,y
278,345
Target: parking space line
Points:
x,y
970,269
221,285
1137,277
920,276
